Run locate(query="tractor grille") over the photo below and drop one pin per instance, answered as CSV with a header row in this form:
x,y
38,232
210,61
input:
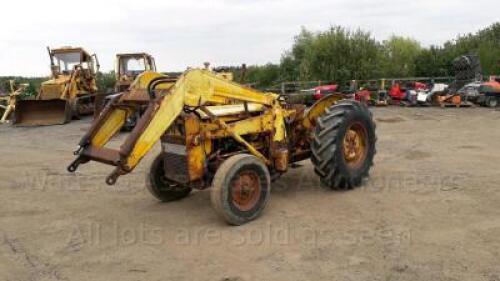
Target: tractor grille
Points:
x,y
176,164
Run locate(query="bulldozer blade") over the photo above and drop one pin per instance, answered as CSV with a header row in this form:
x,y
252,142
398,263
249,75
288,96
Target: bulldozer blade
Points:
x,y
42,112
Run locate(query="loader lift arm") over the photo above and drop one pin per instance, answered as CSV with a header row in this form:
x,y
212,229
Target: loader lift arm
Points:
x,y
195,90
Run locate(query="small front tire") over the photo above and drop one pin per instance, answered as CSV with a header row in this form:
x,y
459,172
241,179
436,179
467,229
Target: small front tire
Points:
x,y
161,187
240,189
492,101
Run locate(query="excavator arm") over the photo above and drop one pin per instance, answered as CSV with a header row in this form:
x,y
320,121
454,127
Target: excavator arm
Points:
x,y
194,90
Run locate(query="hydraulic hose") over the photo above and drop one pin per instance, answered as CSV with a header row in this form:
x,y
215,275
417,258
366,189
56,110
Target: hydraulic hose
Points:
x,y
154,83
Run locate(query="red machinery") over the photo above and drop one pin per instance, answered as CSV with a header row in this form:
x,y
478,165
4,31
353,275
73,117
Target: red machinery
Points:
x,y
407,95
363,96
321,91
396,93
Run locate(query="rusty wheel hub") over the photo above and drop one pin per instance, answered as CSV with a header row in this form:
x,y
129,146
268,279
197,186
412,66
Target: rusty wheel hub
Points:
x,y
245,190
355,148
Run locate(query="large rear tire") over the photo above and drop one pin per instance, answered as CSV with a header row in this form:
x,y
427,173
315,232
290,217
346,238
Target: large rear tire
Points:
x,y
343,145
240,189
160,186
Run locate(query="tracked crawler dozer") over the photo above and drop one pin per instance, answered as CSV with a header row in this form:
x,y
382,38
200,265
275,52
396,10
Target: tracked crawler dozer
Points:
x,y
69,93
127,67
217,133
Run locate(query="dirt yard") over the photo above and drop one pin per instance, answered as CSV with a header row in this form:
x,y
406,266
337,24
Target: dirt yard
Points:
x,y
430,211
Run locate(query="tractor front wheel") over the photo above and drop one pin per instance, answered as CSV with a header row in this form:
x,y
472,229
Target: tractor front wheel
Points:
x,y
160,186
343,145
240,189
492,101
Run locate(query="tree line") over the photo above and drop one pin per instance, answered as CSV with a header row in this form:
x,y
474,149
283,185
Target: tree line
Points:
x,y
339,54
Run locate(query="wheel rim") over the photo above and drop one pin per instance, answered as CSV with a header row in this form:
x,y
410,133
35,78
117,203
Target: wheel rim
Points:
x,y
355,147
246,190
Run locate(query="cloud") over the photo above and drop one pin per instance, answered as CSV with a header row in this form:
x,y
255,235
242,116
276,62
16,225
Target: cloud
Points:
x,y
187,33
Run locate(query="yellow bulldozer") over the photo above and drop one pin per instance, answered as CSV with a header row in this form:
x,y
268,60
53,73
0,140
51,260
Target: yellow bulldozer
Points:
x,y
68,94
217,133
129,66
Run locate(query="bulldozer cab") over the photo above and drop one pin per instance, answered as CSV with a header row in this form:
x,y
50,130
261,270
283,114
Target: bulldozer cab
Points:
x,y
129,66
65,60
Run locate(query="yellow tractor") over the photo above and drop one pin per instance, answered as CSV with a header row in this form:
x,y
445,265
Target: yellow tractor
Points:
x,y
217,133
69,93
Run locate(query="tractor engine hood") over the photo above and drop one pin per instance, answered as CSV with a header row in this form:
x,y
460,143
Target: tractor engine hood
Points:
x,y
53,88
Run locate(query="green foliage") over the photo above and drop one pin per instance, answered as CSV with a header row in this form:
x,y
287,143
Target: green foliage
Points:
x,y
340,55
489,53
291,62
433,62
31,90
399,54
263,76
105,81
335,54
485,43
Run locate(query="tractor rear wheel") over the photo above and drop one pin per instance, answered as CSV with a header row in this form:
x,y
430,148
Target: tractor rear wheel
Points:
x,y
160,186
343,145
240,189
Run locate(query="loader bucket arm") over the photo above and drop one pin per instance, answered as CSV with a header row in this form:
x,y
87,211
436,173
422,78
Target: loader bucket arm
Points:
x,y
192,90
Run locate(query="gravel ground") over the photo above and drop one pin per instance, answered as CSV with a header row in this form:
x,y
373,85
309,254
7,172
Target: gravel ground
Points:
x,y
430,211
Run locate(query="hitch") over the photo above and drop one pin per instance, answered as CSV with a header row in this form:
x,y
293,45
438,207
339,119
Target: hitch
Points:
x,y
74,165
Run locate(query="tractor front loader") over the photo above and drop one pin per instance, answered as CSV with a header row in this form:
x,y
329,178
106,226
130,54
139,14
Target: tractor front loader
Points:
x,y
217,133
69,93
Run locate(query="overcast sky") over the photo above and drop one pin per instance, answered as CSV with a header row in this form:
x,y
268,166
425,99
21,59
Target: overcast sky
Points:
x,y
185,33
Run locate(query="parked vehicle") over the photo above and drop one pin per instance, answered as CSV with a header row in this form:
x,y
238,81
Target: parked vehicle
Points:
x,y
363,96
310,96
69,93
470,91
424,97
127,67
489,94
408,94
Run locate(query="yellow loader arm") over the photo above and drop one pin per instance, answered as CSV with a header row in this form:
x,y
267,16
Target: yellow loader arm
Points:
x,y
193,91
